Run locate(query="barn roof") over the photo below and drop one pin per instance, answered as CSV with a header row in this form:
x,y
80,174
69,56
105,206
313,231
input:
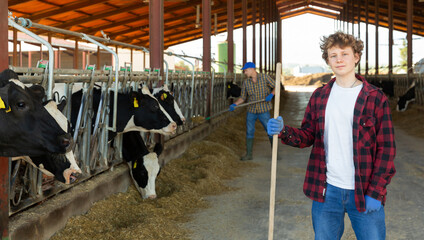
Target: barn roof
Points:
x,y
128,20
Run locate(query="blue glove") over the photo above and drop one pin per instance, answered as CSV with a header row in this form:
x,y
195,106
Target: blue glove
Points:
x,y
232,107
269,97
275,126
371,204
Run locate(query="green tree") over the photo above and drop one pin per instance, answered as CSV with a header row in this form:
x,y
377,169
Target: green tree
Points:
x,y
182,66
403,55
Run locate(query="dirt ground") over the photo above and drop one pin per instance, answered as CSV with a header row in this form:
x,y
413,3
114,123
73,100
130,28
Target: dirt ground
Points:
x,y
209,194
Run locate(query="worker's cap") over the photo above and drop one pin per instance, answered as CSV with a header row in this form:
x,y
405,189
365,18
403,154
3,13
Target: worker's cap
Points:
x,y
248,65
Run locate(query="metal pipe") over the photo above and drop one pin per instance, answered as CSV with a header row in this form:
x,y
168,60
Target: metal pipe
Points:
x,y
115,96
77,34
192,79
23,21
166,71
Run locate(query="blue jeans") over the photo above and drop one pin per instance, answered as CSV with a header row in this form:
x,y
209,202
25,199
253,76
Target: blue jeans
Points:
x,y
251,120
328,217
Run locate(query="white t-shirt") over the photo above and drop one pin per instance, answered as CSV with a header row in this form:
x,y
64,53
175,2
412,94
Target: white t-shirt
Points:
x,y
338,139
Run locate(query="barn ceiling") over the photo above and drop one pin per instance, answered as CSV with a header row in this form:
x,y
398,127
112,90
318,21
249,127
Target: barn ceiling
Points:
x,y
128,21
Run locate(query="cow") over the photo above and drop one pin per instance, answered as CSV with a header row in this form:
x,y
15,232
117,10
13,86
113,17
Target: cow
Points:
x,y
233,90
386,86
168,102
419,66
29,126
137,111
405,99
62,166
143,165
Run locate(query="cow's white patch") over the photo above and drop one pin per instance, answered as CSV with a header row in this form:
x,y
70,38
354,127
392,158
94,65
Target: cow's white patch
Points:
x,y
178,111
71,158
17,82
151,164
61,120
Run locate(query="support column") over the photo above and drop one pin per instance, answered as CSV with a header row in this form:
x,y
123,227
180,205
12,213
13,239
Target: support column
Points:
x,y
254,31
29,59
409,22
377,15
390,18
76,51
260,34
4,162
266,36
15,47
244,24
156,34
206,59
359,31
230,39
98,58
206,28
366,37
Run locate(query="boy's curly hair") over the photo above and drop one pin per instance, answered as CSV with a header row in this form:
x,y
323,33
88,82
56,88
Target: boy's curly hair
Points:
x,y
341,40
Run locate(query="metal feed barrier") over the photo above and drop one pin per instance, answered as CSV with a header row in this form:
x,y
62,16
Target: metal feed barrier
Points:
x,y
94,154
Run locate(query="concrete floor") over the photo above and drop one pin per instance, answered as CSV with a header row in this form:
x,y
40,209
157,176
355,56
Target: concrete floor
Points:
x,y
243,214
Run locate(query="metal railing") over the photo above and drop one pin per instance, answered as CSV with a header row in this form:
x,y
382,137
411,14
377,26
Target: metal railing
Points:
x,y
93,152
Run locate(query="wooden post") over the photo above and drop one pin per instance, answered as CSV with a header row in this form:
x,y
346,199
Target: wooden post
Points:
x,y
274,155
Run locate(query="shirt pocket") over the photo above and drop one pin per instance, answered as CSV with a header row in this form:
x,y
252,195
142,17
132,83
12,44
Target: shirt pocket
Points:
x,y
367,134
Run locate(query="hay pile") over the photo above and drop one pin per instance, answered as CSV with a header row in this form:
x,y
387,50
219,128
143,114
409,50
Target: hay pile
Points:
x,y
181,187
316,79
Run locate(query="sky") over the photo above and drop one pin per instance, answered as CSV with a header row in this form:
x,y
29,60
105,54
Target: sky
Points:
x,y
300,42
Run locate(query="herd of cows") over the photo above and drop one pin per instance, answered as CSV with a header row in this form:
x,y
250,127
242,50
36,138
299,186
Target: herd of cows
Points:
x,y
38,129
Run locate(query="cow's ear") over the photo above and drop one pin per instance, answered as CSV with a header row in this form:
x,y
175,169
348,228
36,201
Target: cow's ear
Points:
x,y
4,97
38,92
6,75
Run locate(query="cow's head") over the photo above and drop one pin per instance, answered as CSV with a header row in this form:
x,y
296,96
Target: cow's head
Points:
x,y
233,90
148,114
144,165
62,166
144,171
168,102
27,126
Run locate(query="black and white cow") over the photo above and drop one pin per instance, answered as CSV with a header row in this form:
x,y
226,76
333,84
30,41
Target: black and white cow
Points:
x,y
28,127
405,99
168,102
144,165
137,111
233,90
386,86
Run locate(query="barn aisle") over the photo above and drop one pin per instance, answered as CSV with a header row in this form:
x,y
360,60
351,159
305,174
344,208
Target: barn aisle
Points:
x,y
243,214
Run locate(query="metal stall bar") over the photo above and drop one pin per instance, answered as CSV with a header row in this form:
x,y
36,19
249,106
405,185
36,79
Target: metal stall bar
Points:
x,y
115,96
192,80
27,23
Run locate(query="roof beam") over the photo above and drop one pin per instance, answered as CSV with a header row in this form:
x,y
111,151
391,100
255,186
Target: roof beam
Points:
x,y
137,18
62,9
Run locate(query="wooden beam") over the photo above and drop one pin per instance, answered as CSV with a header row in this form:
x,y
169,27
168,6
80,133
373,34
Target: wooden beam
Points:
x,y
62,9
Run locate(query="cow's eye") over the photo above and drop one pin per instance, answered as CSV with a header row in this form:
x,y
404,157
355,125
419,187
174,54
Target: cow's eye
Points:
x,y
21,104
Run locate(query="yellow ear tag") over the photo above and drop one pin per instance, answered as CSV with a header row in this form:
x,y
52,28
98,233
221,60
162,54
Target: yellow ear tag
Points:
x,y
135,165
229,86
135,103
8,110
2,104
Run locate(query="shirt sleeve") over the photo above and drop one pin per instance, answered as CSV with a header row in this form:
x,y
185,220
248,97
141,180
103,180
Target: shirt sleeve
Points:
x,y
270,82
